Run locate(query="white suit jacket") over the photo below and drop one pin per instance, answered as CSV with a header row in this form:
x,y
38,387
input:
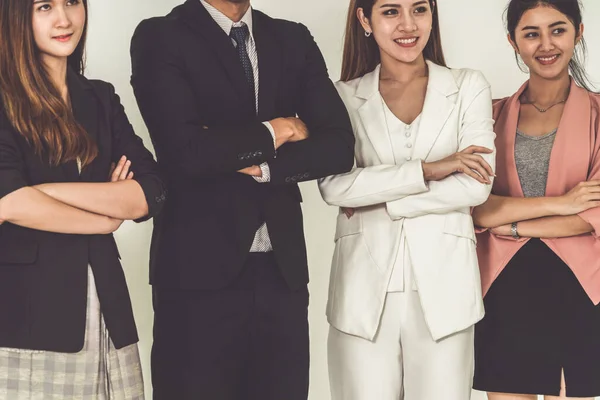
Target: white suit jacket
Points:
x,y
435,216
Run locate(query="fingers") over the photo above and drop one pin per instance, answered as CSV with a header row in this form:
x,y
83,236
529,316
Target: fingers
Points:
x,y
590,183
476,167
468,170
112,169
477,149
130,176
118,169
348,211
489,172
125,171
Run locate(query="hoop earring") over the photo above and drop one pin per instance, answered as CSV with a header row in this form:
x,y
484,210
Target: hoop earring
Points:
x,y
368,34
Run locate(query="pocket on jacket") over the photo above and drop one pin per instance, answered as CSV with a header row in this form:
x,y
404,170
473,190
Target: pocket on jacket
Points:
x,y
13,252
461,225
347,226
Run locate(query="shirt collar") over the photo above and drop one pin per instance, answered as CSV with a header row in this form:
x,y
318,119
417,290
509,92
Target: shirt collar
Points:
x,y
224,22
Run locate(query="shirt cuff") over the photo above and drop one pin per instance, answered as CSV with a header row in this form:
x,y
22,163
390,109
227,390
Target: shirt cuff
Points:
x,y
270,128
266,174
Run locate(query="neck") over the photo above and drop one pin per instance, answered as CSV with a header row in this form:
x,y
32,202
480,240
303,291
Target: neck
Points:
x,y
545,92
57,71
392,69
233,9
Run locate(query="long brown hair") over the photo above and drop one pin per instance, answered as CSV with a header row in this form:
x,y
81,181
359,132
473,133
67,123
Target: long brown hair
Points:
x,y
31,102
361,53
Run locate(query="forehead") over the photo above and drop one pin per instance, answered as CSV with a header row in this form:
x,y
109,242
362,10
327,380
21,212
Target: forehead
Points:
x,y
542,16
400,3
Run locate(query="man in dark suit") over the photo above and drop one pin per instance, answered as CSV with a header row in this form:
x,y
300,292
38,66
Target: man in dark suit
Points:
x,y
219,86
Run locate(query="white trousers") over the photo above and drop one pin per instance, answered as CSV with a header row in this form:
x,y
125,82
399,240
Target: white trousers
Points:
x,y
403,362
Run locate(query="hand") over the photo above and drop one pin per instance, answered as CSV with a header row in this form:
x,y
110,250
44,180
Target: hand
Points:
x,y
252,171
504,230
582,197
120,171
466,162
288,130
348,211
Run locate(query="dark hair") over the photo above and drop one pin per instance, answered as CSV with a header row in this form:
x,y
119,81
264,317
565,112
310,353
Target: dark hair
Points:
x,y
570,8
30,100
361,53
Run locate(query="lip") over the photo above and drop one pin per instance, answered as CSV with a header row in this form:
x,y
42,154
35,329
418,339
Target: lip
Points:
x,y
407,42
548,60
63,38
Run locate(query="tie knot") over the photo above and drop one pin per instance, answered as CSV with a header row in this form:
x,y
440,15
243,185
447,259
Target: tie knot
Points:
x,y
240,34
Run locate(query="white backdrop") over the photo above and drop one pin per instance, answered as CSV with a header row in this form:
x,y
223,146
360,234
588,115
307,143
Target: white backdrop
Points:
x,y
473,35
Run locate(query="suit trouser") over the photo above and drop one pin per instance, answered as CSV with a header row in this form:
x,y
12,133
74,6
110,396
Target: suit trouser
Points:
x,y
246,342
403,362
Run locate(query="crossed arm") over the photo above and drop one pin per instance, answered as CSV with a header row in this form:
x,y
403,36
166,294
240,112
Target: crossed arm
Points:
x,y
542,217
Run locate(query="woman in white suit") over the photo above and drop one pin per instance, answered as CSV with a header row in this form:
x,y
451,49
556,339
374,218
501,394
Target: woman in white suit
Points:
x,y
405,289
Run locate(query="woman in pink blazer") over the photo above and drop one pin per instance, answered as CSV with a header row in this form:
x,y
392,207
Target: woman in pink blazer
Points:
x,y
539,251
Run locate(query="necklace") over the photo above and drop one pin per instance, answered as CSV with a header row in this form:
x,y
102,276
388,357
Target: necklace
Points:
x,y
543,110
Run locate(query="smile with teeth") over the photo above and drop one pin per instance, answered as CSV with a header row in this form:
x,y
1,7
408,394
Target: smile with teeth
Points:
x,y
548,59
406,41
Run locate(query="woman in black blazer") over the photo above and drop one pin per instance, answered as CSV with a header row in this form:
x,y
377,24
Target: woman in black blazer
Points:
x,y
66,324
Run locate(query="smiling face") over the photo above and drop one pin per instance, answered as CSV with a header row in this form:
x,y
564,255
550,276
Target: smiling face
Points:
x,y
58,26
546,39
401,28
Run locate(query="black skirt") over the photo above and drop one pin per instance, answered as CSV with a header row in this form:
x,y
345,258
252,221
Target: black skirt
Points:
x,y
538,321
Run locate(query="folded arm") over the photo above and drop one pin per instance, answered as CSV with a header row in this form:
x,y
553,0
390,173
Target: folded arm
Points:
x,y
457,191
373,185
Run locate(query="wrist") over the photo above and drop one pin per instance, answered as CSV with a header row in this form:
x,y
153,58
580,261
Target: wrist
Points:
x,y
555,206
426,171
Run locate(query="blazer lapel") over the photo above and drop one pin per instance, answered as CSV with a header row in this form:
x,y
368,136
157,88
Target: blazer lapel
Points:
x,y
436,109
569,163
85,109
506,115
373,117
269,66
200,21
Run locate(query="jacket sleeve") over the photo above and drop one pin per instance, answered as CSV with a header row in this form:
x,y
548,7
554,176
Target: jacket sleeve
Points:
x,y
457,191
126,143
184,145
373,185
592,216
12,168
329,149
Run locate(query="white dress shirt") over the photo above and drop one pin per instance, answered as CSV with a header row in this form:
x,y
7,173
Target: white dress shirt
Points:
x,y
402,138
262,242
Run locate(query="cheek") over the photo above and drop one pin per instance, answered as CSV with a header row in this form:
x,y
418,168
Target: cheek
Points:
x,y
40,32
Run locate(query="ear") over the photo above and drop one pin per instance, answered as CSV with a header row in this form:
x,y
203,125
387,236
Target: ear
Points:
x,y
364,21
512,43
578,38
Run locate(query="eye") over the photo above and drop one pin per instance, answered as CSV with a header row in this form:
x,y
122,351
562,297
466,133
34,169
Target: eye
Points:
x,y
531,35
559,31
73,2
421,10
44,7
391,11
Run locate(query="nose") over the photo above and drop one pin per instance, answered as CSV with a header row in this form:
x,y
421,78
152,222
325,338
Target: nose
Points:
x,y
62,17
546,43
407,23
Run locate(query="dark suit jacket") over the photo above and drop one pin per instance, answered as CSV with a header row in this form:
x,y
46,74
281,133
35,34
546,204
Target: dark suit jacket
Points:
x,y
193,95
43,275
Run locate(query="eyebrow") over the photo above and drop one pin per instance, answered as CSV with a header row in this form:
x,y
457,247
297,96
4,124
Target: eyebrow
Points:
x,y
418,3
549,26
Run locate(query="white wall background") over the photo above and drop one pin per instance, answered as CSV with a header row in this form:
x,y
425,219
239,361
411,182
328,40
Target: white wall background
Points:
x,y
473,35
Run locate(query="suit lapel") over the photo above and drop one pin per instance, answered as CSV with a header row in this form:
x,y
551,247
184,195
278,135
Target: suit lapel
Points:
x,y
200,21
269,66
85,109
436,109
373,117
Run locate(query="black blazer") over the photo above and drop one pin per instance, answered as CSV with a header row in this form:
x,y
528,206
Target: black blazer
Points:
x,y
43,275
193,96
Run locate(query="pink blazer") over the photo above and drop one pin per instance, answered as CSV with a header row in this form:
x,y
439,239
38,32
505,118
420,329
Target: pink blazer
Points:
x,y
575,158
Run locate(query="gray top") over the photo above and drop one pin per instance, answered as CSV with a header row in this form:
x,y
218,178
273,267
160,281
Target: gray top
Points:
x,y
532,154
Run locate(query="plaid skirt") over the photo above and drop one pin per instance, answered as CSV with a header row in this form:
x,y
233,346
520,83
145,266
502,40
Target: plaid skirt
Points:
x,y
97,372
